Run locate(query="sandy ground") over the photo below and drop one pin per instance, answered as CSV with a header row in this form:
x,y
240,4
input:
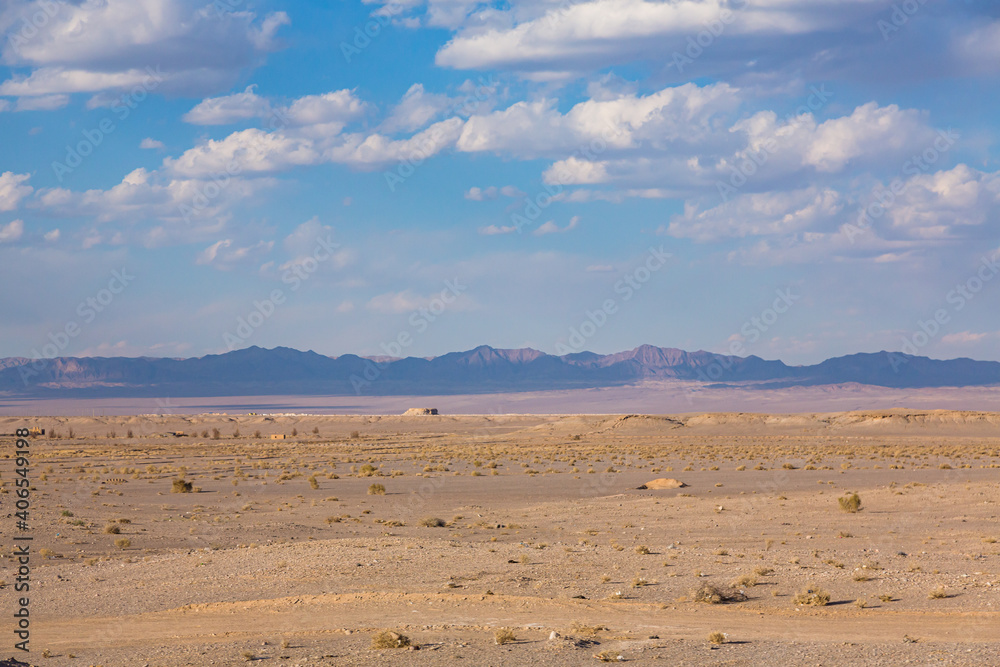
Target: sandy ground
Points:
x,y
653,397
280,555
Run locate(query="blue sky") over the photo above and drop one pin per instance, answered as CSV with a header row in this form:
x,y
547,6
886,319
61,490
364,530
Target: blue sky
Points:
x,y
342,176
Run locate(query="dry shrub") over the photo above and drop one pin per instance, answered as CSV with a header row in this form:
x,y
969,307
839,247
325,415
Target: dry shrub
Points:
x,y
432,522
717,638
812,596
504,635
851,503
181,486
376,490
710,594
389,639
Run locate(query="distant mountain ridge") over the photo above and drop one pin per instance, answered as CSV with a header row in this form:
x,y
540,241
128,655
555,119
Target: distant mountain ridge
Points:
x,y
285,371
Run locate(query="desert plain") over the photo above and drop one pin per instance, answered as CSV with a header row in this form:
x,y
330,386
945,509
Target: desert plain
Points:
x,y
167,540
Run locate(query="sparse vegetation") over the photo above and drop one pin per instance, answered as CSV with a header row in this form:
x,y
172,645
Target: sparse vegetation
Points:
x,y
181,486
432,522
711,594
387,639
850,503
376,490
717,638
816,597
503,636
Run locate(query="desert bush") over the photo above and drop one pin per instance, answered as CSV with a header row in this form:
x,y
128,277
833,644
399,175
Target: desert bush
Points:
x,y
504,635
216,434
717,638
812,596
181,486
376,490
388,639
851,503
432,522
710,594
745,581
112,529
355,434
123,543
938,593
642,550
367,470
314,483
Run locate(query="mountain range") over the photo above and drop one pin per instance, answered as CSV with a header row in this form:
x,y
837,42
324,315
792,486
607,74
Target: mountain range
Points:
x,y
256,371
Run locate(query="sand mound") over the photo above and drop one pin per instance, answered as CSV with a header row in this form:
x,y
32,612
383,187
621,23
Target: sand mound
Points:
x,y
664,483
420,411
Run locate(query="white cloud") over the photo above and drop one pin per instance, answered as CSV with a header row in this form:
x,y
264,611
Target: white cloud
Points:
x,y
52,236
13,189
761,214
42,103
151,144
493,230
968,337
225,254
229,109
416,110
98,45
492,192
12,231
551,227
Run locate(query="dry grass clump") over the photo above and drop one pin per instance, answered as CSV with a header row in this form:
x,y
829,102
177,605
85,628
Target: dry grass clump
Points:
x,y
610,656
745,581
717,638
123,543
578,628
851,503
812,596
388,639
504,635
642,550
181,486
938,593
710,594
432,522
376,490
112,529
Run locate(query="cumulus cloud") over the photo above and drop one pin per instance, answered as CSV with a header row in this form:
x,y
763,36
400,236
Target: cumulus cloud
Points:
x,y
551,227
151,144
100,45
12,231
760,214
13,188
494,230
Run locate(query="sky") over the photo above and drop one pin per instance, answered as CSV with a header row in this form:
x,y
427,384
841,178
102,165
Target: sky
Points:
x,y
792,179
